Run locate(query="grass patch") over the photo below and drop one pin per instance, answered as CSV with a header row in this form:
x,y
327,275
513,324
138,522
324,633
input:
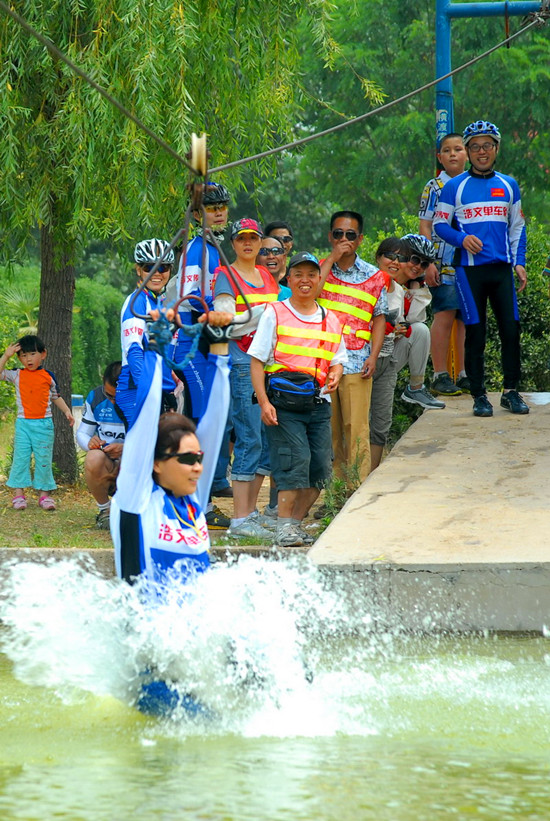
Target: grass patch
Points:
x,y
72,525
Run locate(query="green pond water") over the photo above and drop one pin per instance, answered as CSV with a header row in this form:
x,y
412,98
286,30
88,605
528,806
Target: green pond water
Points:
x,y
393,727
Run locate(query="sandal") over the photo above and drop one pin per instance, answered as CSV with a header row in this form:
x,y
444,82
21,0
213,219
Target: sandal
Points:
x,y
19,503
46,503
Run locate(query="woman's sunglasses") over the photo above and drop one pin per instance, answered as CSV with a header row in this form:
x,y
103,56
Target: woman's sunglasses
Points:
x,y
162,269
415,260
189,457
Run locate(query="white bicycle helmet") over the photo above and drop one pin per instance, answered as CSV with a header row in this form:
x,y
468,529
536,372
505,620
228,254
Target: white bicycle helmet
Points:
x,y
149,251
481,128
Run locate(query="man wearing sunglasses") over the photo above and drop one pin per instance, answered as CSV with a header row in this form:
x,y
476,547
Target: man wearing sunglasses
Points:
x,y
283,231
272,255
479,212
188,282
355,291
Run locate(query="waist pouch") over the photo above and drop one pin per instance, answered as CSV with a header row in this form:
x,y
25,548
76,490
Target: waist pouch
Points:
x,y
293,391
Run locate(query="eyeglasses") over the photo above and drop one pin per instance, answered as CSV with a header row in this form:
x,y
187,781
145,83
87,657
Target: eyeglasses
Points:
x,y
476,148
350,235
414,260
391,255
162,269
266,252
189,457
287,238
218,206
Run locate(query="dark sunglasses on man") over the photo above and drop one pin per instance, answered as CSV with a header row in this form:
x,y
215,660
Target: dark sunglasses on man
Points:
x,y
338,233
266,252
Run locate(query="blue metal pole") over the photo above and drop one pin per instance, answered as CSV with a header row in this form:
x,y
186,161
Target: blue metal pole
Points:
x,y
444,11
444,113
514,7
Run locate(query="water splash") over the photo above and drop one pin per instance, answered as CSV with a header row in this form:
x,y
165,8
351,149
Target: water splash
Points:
x,y
243,639
240,638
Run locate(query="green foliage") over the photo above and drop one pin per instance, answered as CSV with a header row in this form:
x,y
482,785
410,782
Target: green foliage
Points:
x,y
379,167
96,332
534,311
21,302
227,68
9,333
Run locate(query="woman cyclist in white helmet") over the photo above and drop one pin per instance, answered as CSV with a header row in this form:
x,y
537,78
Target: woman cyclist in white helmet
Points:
x,y
134,331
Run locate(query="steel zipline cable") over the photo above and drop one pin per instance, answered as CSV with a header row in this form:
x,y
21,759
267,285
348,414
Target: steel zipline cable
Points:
x,y
538,20
199,157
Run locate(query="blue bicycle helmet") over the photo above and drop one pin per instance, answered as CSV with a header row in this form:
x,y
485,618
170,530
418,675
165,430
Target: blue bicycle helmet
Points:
x,y
215,193
481,128
420,245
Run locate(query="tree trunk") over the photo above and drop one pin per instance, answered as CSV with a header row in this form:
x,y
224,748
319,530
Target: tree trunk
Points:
x,y
55,320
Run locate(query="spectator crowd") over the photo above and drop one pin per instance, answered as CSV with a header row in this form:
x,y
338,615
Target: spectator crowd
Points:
x,y
315,348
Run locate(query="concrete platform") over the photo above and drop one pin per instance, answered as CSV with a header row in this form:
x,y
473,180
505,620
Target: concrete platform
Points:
x,y
451,531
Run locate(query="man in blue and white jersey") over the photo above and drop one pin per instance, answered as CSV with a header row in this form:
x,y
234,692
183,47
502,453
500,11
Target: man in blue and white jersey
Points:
x,y
188,282
479,212
101,434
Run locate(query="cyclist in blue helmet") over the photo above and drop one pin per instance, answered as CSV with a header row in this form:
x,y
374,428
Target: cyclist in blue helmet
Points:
x,y
479,212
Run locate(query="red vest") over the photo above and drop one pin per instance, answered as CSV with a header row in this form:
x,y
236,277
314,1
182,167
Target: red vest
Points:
x,y
354,305
307,347
255,294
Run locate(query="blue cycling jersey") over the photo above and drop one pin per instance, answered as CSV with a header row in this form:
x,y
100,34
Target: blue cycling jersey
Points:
x,y
487,207
134,338
154,531
99,419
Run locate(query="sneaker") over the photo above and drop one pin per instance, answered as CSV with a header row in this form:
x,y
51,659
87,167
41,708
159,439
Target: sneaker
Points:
x,y
421,397
223,493
267,522
216,520
289,535
482,406
19,503
444,385
250,529
271,512
513,402
464,384
102,519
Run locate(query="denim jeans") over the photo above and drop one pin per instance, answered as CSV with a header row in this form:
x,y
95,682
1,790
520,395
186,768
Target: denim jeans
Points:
x,y
251,453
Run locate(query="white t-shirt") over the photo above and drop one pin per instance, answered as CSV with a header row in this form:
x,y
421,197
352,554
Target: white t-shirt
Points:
x,y
265,339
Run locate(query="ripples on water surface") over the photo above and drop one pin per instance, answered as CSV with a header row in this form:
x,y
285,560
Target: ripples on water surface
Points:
x,y
393,727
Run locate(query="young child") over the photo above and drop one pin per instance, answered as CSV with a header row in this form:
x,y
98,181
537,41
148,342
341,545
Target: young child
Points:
x,y
441,276
35,390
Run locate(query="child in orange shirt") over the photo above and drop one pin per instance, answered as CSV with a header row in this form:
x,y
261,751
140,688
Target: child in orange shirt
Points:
x,y
35,391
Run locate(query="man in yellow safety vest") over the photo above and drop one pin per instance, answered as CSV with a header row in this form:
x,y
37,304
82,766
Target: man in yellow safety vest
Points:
x,y
297,358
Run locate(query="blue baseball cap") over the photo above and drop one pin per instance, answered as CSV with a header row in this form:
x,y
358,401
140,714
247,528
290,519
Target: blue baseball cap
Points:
x,y
303,256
